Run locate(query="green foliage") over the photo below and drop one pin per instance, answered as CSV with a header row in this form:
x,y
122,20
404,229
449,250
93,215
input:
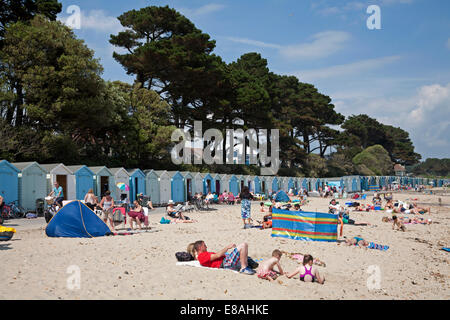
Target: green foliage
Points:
x,y
316,166
374,160
24,10
433,167
56,107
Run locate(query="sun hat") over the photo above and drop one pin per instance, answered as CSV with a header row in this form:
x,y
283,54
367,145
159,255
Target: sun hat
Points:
x,y
170,202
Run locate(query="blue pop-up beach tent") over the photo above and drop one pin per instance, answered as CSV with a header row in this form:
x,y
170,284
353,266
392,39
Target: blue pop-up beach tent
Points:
x,y
76,220
281,196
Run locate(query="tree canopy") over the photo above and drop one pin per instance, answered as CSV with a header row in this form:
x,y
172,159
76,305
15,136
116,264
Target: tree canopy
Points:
x,y
55,106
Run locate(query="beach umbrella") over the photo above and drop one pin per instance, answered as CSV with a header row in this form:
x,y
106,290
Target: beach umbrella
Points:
x,y
122,186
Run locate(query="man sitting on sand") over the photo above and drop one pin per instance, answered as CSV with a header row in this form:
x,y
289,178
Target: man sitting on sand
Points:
x,y
237,259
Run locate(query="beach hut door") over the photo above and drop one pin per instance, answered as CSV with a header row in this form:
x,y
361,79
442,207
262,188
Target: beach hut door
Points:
x,y
62,181
189,188
104,185
217,186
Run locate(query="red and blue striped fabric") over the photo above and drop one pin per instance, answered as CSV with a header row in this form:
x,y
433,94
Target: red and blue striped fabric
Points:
x,y
309,226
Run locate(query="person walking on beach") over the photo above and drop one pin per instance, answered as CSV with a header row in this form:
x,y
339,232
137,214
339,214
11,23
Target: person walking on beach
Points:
x,y
107,206
246,206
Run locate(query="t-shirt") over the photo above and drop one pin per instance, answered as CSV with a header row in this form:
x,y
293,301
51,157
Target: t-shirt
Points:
x,y
56,191
205,260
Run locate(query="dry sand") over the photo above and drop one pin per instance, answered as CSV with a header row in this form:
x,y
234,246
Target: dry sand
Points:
x,y
142,266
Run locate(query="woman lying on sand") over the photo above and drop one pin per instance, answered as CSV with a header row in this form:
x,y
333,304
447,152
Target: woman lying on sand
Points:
x,y
360,242
406,220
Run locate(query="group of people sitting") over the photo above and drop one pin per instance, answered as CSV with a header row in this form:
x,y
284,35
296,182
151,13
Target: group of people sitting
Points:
x,y
330,191
212,197
237,259
137,214
229,198
391,206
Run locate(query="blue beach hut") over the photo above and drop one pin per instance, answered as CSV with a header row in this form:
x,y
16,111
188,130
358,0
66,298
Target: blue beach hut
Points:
x,y
152,186
83,179
208,183
103,181
177,186
234,187
275,187
136,183
189,186
257,183
9,181
32,184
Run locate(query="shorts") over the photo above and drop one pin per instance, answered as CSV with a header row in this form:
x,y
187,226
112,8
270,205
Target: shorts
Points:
x,y
231,260
263,274
107,214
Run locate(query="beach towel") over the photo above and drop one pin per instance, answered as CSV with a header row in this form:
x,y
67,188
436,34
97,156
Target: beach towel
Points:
x,y
446,249
131,232
197,264
377,246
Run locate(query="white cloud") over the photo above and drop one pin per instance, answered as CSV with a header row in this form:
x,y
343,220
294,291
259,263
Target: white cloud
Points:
x,y
327,7
203,10
354,68
425,115
255,43
322,44
97,20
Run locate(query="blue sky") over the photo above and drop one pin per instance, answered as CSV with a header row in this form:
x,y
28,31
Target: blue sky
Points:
x,y
399,74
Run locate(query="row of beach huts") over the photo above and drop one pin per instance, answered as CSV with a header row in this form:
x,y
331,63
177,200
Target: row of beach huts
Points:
x,y
28,181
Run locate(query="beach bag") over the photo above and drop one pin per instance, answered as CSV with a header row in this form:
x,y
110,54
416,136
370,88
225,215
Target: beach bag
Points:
x,y
184,256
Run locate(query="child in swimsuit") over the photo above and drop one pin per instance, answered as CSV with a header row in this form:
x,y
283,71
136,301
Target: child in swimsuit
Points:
x,y
265,269
308,272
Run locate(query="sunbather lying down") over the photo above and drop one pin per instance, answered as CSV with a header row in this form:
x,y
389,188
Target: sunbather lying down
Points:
x,y
406,220
360,242
299,257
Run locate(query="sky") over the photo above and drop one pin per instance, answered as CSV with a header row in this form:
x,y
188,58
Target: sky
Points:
x,y
397,73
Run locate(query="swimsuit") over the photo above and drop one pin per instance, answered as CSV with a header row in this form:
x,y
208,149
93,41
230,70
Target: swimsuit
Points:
x,y
307,272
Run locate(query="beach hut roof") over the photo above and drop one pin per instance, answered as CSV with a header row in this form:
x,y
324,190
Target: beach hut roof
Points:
x,y
186,173
133,171
159,173
10,165
23,165
115,170
96,170
174,173
75,169
53,166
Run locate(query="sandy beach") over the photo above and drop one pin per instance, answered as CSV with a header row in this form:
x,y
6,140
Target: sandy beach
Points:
x,y
143,266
